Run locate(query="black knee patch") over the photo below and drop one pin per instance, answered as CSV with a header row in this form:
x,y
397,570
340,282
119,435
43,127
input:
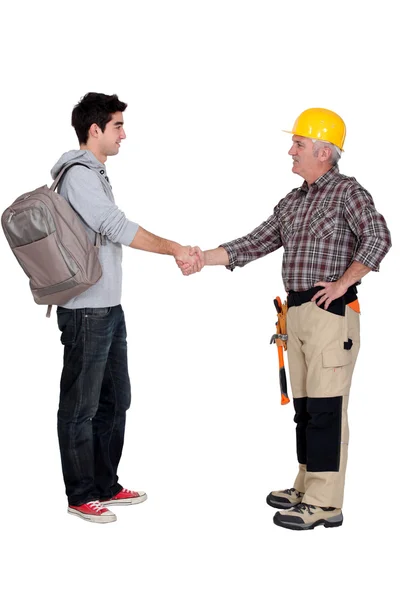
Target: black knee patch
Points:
x,y
324,431
301,417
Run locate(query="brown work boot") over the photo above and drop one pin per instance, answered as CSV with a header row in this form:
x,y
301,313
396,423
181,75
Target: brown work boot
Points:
x,y
307,516
285,498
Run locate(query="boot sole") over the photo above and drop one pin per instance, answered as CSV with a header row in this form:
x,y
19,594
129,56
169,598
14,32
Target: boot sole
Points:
x,y
298,527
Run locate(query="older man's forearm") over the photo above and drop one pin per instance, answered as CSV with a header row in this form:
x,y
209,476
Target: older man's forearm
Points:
x,y
353,274
218,256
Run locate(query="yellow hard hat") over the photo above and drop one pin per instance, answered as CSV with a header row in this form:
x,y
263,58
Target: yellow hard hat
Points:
x,y
320,124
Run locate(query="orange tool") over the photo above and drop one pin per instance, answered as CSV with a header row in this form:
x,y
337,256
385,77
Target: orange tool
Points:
x,y
280,339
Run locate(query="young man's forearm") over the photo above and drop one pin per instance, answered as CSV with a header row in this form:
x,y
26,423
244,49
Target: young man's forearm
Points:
x,y
144,240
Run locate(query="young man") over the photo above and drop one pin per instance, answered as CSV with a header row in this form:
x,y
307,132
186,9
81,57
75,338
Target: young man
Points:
x,y
332,236
95,388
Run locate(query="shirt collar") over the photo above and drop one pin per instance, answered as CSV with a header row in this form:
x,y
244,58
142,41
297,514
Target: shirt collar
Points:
x,y
321,181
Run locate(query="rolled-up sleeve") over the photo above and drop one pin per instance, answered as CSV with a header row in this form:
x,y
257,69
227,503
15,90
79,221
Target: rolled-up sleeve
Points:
x,y
369,226
263,240
87,196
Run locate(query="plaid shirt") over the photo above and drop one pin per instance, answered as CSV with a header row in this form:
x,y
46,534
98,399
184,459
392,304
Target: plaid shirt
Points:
x,y
323,228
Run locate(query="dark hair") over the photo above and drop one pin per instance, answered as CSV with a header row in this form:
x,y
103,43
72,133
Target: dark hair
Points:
x,y
94,108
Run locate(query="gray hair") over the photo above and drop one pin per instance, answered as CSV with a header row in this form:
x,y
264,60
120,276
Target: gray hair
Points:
x,y
336,153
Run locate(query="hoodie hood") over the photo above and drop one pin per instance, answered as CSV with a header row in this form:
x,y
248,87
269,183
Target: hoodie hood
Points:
x,y
78,156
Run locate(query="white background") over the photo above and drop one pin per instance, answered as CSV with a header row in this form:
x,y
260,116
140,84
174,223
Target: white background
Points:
x,y
210,85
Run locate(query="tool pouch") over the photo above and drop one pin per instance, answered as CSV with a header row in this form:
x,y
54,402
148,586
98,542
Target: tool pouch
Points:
x,y
281,324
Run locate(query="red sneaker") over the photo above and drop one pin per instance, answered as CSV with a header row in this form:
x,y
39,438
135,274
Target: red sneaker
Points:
x,y
126,497
93,511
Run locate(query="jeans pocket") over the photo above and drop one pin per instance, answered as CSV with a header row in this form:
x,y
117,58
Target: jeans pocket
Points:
x,y
66,319
97,313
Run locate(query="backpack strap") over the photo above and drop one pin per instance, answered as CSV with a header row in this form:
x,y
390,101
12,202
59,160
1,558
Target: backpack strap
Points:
x,y
57,180
98,237
98,241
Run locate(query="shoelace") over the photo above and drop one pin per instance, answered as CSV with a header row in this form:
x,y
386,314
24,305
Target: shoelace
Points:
x,y
96,505
302,508
290,491
127,491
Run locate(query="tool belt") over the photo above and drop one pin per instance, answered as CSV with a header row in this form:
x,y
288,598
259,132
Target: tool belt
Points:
x,y
337,307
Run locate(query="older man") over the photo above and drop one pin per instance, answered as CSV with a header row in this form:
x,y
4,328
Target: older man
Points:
x,y
332,236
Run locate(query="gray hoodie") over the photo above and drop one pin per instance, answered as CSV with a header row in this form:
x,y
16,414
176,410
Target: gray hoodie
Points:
x,y
88,190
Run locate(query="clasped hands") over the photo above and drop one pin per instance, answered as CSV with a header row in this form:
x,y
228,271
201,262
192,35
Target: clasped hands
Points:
x,y
190,259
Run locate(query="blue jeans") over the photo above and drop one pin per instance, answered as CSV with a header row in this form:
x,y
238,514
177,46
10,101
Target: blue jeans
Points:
x,y
94,397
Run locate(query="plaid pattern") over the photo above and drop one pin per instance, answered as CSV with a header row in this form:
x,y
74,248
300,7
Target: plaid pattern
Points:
x,y
323,229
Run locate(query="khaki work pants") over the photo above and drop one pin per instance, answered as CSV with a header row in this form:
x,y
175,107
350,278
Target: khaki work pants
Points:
x,y
322,352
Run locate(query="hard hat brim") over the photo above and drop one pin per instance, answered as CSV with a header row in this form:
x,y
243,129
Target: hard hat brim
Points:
x,y
312,138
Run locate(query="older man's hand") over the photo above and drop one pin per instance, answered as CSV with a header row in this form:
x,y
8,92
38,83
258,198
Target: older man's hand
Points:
x,y
190,260
331,290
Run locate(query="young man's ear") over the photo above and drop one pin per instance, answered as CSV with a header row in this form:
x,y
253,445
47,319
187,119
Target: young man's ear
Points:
x,y
94,130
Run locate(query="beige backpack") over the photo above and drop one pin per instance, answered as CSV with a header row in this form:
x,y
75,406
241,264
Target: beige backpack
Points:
x,y
51,245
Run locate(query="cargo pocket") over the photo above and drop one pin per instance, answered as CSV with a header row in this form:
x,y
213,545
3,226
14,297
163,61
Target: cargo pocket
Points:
x,y
336,358
66,319
336,372
324,433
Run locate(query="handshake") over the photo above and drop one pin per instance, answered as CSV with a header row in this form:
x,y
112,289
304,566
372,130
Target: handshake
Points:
x,y
190,259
